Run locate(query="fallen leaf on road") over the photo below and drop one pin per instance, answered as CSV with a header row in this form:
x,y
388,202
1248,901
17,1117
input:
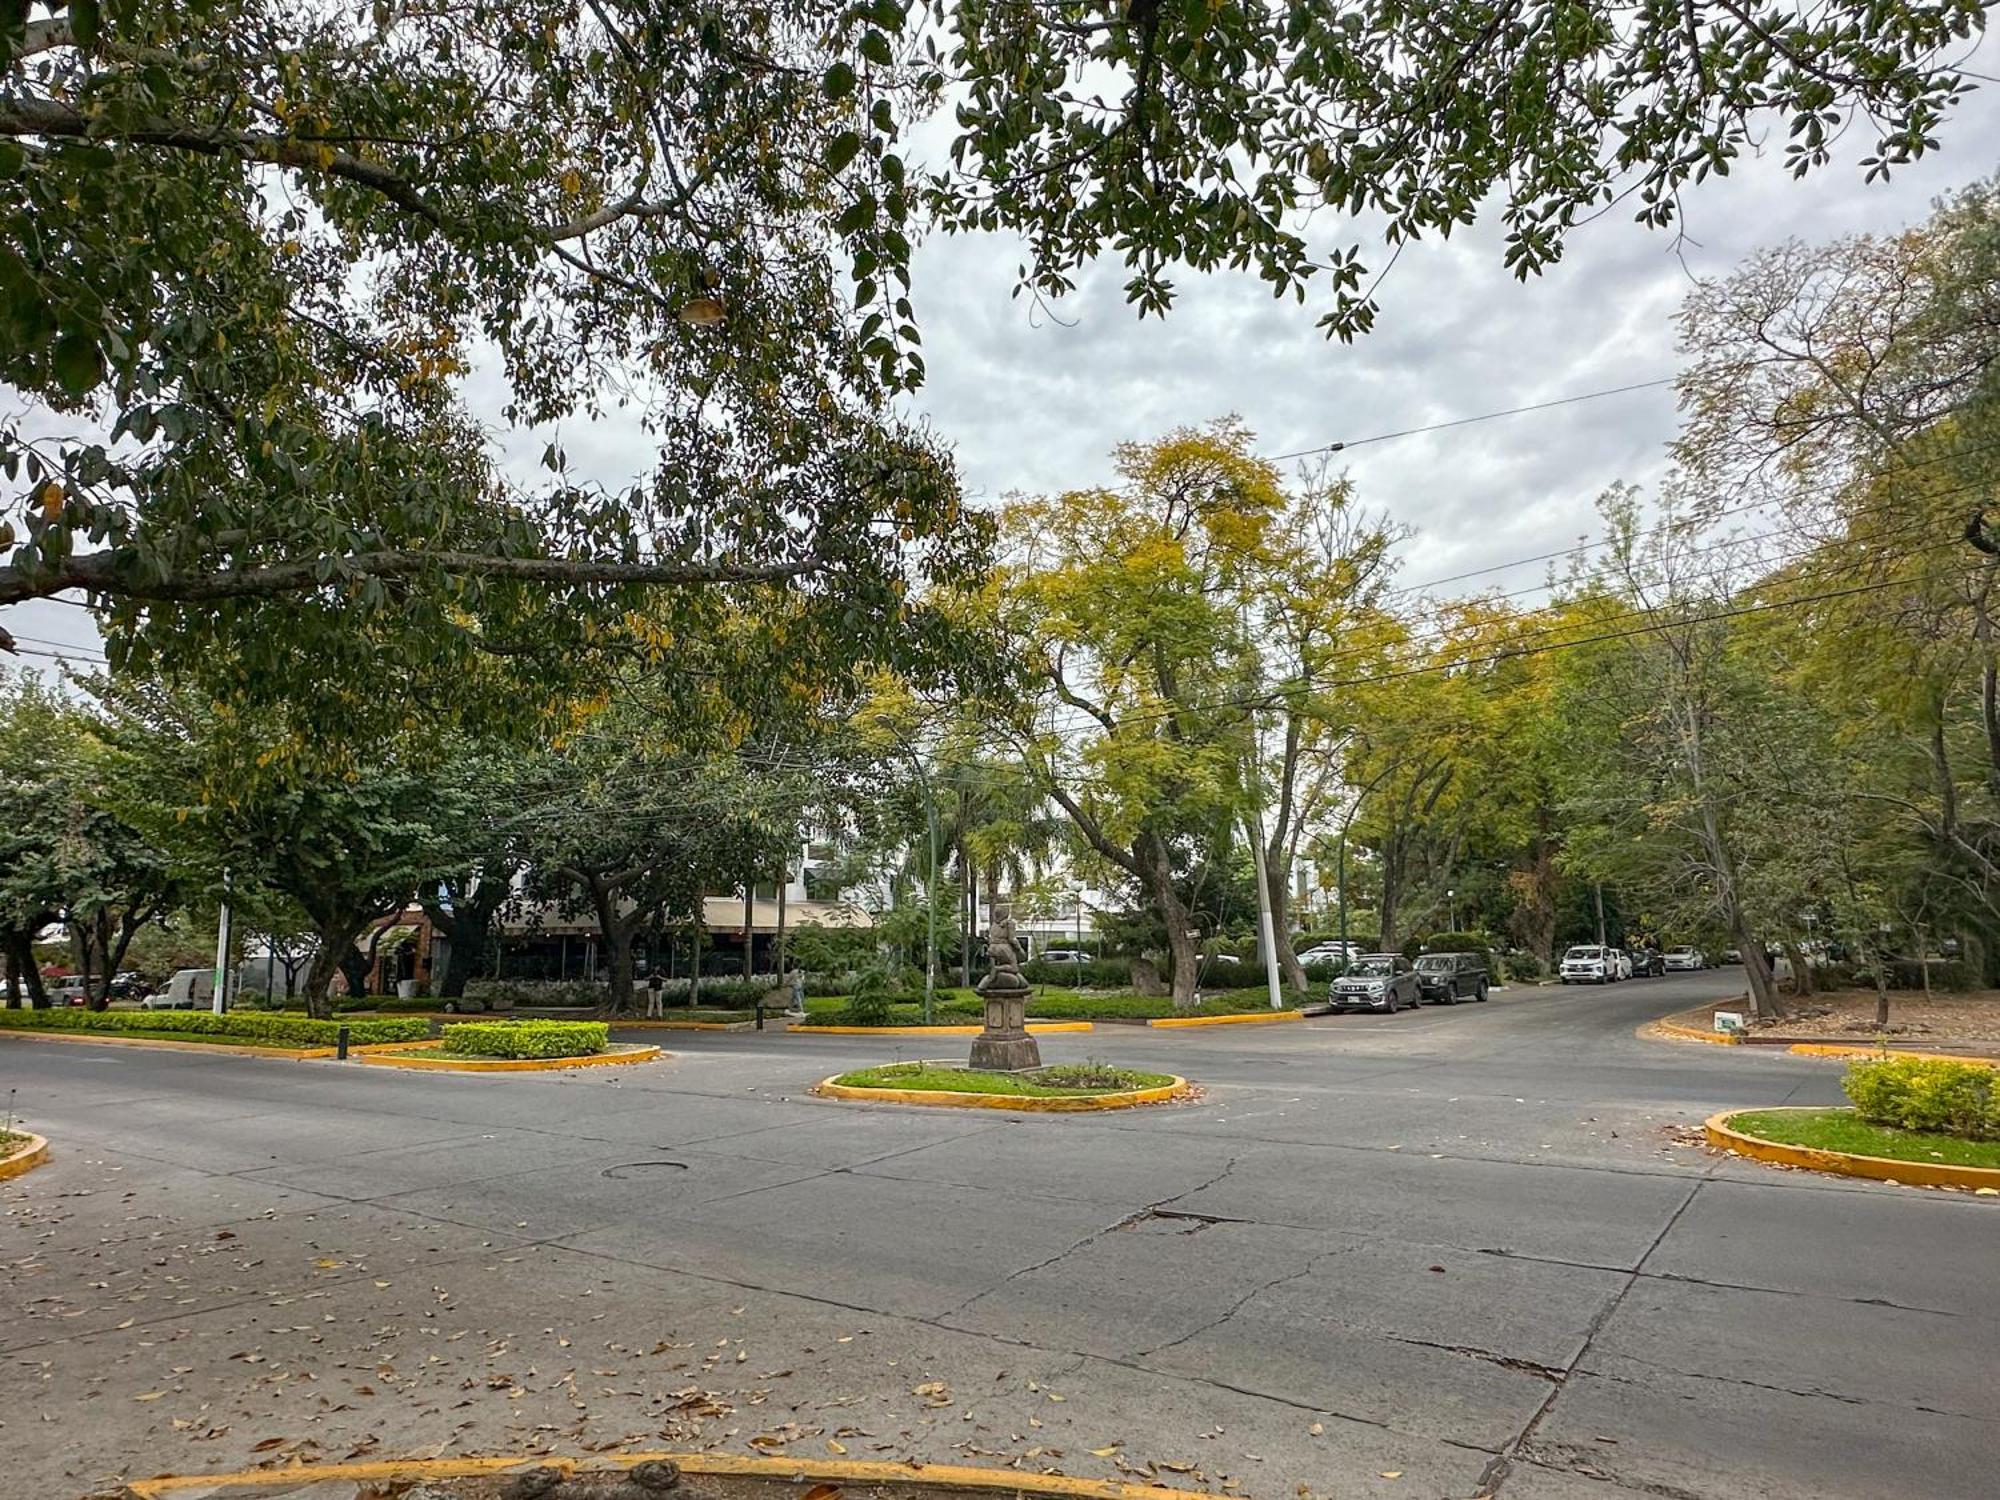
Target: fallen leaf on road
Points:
x,y
833,1447
822,1491
1106,1451
150,1396
1317,1429
1398,1473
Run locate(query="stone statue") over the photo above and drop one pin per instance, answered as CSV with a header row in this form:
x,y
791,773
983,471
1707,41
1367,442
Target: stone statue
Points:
x,y
1003,954
1004,1046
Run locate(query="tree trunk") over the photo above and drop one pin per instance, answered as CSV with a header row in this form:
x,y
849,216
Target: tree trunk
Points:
x,y
336,944
1186,957
1765,1001
468,926
1289,968
1881,990
1802,977
618,950
968,901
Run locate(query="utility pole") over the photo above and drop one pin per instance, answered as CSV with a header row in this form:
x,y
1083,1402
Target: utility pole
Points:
x,y
219,1001
1597,889
1266,931
1340,896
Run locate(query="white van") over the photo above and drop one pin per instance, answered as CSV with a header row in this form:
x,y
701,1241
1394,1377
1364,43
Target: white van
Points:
x,y
189,989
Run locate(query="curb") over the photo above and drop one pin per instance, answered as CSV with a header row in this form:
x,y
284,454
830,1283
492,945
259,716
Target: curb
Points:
x,y
1846,1164
1034,1028
1053,1105
245,1049
688,1026
24,1158
1248,1018
795,1470
409,1056
1848,1049
1655,1030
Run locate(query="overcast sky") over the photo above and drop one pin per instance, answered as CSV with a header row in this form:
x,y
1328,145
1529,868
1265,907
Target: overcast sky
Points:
x,y
1029,403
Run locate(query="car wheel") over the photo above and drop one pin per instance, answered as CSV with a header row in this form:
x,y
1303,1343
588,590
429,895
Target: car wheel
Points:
x,y
1390,1003
1480,993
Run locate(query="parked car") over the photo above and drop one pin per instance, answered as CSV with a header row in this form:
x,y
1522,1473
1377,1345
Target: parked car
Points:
x,y
1624,961
127,985
1589,964
1376,981
1685,956
1648,963
1732,955
1447,978
1064,956
187,989
68,992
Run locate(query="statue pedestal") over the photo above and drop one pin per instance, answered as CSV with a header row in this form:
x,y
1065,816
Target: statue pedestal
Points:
x,y
1005,1046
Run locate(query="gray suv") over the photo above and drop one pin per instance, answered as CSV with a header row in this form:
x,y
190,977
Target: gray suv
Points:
x,y
1447,978
1376,981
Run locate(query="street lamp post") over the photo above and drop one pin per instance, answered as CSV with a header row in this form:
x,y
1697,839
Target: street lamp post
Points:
x,y
1451,909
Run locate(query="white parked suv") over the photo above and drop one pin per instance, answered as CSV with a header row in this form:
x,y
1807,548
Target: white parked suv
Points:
x,y
1590,964
1686,956
1624,962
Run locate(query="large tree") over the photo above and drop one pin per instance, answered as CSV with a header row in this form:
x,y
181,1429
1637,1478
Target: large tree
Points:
x,y
249,251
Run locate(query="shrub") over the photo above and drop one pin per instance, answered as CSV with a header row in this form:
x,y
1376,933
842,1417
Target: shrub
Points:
x,y
247,1026
869,1005
1927,1093
1092,974
1462,942
1220,974
525,1038
541,994
1946,974
1522,966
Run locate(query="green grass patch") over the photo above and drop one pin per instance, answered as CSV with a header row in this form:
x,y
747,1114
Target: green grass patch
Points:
x,y
1843,1130
525,1039
1065,1081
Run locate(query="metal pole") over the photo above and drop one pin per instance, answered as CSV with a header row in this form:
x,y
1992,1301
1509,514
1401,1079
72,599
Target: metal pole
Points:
x,y
930,897
219,1001
1340,895
1265,928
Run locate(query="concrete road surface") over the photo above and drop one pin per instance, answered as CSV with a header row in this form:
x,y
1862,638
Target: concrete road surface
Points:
x,y
1456,1252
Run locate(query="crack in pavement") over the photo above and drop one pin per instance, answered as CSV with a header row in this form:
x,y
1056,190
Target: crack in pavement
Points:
x,y
1568,1458
1814,1394
1243,1301
1495,1474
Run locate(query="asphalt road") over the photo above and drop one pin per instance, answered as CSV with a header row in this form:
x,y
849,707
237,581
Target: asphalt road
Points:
x,y
1455,1252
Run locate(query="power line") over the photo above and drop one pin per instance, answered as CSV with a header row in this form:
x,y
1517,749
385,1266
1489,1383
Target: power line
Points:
x,y
1488,416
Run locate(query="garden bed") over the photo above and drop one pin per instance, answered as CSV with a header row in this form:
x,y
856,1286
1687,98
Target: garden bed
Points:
x,y
1066,1086
260,1029
1967,1022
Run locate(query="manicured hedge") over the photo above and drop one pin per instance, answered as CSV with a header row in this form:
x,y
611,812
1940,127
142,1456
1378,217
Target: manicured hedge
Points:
x,y
1091,974
525,1038
1928,1093
247,1026
571,994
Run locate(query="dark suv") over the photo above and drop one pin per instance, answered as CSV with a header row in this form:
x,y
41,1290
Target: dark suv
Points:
x,y
1447,978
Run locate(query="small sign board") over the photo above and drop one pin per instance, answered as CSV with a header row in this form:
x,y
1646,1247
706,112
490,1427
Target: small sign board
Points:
x,y
1729,1022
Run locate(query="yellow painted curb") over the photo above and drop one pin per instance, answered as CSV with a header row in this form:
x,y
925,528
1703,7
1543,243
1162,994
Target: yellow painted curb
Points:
x,y
402,1057
1051,1105
24,1158
1848,1049
687,1025
1248,1018
1847,1164
1687,1034
247,1049
1034,1028
799,1470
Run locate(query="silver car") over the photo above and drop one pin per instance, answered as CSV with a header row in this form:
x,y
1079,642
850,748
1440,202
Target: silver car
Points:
x,y
1376,981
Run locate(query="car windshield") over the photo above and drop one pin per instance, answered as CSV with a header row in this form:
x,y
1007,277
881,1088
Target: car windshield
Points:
x,y
1680,948
1433,963
1584,953
1372,966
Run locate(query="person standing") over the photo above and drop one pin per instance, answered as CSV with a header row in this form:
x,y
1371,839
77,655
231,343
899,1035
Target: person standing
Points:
x,y
653,1011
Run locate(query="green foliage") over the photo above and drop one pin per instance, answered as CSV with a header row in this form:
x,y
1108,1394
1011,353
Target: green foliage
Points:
x,y
1462,942
875,992
261,1027
1945,974
1090,974
1927,1093
1842,1130
544,994
525,1038
831,950
1523,967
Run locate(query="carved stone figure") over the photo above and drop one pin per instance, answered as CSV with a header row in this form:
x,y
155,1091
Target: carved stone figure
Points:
x,y
1004,1046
